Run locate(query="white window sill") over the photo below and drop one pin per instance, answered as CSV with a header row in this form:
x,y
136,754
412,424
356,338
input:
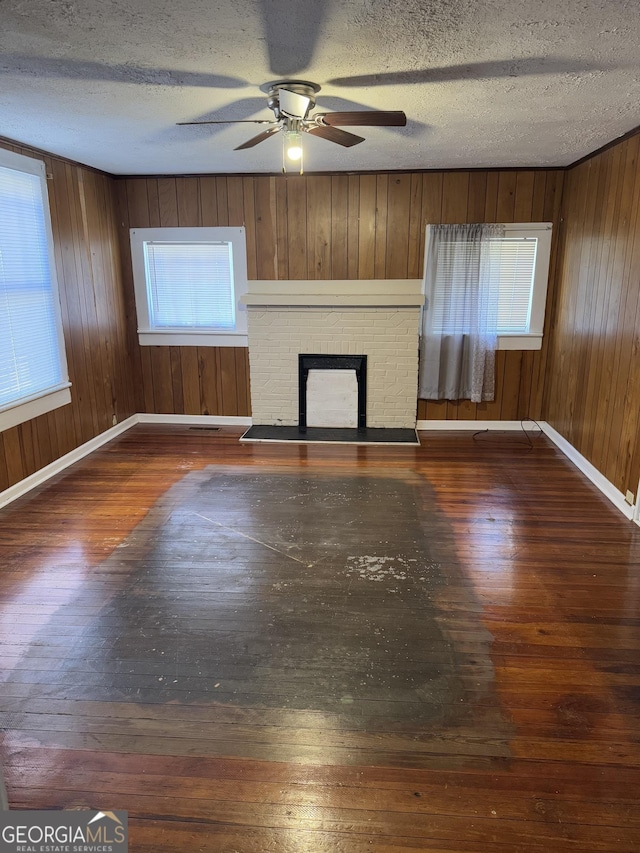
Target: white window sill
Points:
x,y
193,339
33,408
520,342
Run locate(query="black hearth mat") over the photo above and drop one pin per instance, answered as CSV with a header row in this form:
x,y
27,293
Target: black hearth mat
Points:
x,y
316,435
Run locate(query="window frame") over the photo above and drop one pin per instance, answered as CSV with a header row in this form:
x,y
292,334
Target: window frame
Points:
x,y
32,406
190,336
531,340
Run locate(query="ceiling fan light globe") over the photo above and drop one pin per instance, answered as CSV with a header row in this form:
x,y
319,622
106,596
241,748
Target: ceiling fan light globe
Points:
x,y
294,152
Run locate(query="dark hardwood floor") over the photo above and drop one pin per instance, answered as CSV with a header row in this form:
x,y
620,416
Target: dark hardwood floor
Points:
x,y
315,648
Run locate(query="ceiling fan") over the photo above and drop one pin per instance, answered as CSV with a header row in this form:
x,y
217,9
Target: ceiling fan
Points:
x,y
291,102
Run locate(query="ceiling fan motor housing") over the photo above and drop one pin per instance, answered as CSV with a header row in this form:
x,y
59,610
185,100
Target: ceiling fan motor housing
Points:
x,y
295,101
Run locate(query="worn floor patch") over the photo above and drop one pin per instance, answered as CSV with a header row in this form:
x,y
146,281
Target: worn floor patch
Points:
x,y
273,589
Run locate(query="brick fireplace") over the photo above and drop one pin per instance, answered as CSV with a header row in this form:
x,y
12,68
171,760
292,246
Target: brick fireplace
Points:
x,y
377,319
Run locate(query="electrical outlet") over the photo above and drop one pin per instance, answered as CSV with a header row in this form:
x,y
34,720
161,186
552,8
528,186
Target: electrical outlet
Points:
x,y
629,497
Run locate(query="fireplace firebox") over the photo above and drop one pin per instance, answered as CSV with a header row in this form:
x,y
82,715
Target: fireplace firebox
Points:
x,y
310,361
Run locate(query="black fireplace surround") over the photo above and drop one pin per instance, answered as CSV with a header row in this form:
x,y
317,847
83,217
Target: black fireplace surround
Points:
x,y
312,361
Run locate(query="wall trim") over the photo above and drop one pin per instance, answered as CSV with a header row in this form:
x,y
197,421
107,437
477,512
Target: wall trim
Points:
x,y
39,477
36,479
582,463
597,478
470,425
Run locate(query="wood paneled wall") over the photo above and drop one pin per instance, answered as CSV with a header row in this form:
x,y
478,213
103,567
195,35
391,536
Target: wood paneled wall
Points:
x,y
352,227
95,326
592,393
329,227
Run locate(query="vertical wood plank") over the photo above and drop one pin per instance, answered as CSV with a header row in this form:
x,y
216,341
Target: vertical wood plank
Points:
x,y
188,202
397,226
150,404
318,227
282,237
222,197
523,202
160,362
227,366
416,235
539,191
477,197
432,194
168,202
243,403
455,194
175,355
153,202
16,465
249,203
207,372
491,200
189,369
353,228
27,447
367,227
235,200
266,244
506,203
339,226
380,256
208,202
5,482
297,226
510,385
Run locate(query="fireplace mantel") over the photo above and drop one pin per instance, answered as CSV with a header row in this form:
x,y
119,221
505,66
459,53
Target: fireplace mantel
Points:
x,y
378,293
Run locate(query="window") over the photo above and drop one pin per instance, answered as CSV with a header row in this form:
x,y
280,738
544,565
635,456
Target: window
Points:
x,y
188,283
33,367
520,262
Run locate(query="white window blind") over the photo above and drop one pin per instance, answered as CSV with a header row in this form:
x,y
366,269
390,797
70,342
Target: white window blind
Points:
x,y
510,263
516,270
190,285
32,360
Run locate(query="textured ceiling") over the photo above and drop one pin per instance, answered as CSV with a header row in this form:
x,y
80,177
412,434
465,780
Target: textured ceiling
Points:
x,y
483,82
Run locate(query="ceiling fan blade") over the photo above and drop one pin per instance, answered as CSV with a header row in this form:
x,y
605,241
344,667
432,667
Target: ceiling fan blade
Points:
x,y
255,140
334,134
230,121
292,104
364,118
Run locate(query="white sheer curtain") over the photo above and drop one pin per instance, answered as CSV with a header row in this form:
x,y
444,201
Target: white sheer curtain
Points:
x,y
460,316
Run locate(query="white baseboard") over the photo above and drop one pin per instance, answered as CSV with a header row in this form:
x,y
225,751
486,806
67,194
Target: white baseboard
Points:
x,y
597,478
590,471
194,420
44,474
19,489
582,463
469,425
